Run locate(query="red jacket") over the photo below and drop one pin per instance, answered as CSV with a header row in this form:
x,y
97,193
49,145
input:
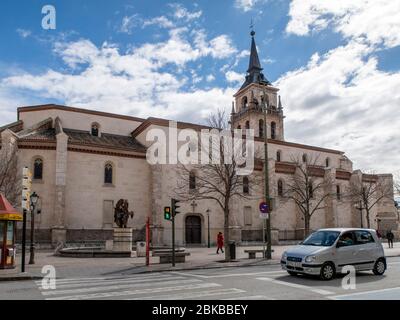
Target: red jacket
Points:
x,y
220,240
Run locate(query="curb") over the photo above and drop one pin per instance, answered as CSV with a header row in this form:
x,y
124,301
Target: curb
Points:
x,y
274,262
20,278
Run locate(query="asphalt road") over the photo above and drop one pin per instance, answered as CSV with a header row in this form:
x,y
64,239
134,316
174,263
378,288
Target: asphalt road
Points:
x,y
255,283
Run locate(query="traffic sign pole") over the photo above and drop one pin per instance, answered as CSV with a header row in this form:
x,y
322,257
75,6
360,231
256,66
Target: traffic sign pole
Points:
x,y
23,241
26,193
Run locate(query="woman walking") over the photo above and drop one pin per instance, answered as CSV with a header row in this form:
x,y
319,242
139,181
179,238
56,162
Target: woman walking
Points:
x,y
220,242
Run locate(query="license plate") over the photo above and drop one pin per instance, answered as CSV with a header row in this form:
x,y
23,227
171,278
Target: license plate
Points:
x,y
294,264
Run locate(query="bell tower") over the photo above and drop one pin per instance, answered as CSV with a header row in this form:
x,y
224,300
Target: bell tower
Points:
x,y
247,109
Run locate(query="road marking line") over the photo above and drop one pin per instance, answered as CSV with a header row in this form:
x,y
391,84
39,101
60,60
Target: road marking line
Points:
x,y
193,295
298,286
112,282
81,280
100,295
337,297
228,275
251,298
115,287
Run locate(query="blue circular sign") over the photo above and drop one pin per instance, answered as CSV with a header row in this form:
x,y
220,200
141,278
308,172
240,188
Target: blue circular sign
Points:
x,y
264,207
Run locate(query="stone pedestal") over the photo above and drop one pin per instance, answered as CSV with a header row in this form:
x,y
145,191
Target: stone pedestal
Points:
x,y
58,236
122,240
274,237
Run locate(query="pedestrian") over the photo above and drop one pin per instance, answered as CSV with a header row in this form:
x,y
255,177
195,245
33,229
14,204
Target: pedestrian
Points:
x,y
378,234
220,242
390,237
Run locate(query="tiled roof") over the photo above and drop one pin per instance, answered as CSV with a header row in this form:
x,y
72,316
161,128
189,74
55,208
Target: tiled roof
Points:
x,y
46,134
105,140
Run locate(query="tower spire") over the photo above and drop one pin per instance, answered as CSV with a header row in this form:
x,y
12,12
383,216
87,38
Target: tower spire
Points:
x,y
254,62
254,74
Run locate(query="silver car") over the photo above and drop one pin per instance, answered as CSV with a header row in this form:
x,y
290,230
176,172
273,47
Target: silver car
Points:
x,y
327,251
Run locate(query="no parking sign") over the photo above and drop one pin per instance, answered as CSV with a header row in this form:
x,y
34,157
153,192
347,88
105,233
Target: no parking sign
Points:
x,y
264,210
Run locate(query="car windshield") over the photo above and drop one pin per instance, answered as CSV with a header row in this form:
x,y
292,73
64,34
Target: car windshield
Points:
x,y
321,238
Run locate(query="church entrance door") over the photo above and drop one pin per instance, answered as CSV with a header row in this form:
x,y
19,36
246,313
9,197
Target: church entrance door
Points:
x,y
193,229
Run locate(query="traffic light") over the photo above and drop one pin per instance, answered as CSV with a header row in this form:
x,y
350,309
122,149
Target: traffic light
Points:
x,y
26,188
174,206
167,213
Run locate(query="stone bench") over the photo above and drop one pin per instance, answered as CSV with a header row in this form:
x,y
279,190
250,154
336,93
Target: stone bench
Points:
x,y
252,252
156,252
166,257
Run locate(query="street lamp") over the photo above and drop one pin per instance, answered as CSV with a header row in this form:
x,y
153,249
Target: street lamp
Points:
x,y
34,200
208,227
359,207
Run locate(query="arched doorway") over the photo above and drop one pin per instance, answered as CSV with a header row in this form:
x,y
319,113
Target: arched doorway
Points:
x,y
193,230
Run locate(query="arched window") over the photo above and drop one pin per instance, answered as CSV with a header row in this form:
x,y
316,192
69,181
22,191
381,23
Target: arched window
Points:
x,y
327,162
245,185
38,169
310,189
278,156
261,128
338,195
304,158
239,127
280,188
244,102
247,125
95,130
273,130
192,180
108,173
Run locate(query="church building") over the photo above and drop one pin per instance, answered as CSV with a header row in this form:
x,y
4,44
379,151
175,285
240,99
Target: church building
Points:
x,y
84,161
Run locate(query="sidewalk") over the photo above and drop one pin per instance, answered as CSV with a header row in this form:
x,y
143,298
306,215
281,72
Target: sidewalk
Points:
x,y
200,258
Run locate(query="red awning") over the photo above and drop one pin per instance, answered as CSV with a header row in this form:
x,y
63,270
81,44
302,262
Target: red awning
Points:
x,y
7,211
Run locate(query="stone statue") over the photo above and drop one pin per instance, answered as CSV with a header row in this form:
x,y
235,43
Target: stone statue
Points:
x,y
121,213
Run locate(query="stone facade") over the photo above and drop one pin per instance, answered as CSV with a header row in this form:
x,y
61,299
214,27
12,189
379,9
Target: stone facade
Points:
x,y
77,203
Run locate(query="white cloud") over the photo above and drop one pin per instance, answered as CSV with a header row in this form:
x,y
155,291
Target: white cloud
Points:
x,y
135,82
245,5
377,21
129,23
24,33
210,78
219,47
182,13
234,77
161,21
341,100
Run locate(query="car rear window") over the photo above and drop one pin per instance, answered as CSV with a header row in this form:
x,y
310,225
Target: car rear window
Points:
x,y
363,237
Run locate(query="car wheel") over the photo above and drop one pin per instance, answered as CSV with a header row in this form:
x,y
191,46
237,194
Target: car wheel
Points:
x,y
327,271
379,267
292,273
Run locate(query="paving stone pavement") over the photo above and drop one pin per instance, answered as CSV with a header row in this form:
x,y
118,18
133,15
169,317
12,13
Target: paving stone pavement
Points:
x,y
200,258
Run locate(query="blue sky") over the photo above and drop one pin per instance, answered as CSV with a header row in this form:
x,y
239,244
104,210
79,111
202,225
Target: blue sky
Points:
x,y
336,63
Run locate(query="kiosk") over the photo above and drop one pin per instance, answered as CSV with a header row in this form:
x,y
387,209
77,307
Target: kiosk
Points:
x,y
8,218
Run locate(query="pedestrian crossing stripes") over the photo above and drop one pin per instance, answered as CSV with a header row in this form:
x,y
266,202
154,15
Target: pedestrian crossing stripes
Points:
x,y
140,287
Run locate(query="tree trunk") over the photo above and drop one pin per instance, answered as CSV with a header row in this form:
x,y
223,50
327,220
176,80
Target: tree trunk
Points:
x,y
368,222
226,234
306,225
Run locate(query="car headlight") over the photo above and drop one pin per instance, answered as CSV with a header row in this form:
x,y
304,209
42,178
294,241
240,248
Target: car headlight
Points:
x,y
310,259
284,256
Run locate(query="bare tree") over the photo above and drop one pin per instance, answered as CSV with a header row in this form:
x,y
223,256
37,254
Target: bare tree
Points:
x,y
216,181
306,190
10,184
369,193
